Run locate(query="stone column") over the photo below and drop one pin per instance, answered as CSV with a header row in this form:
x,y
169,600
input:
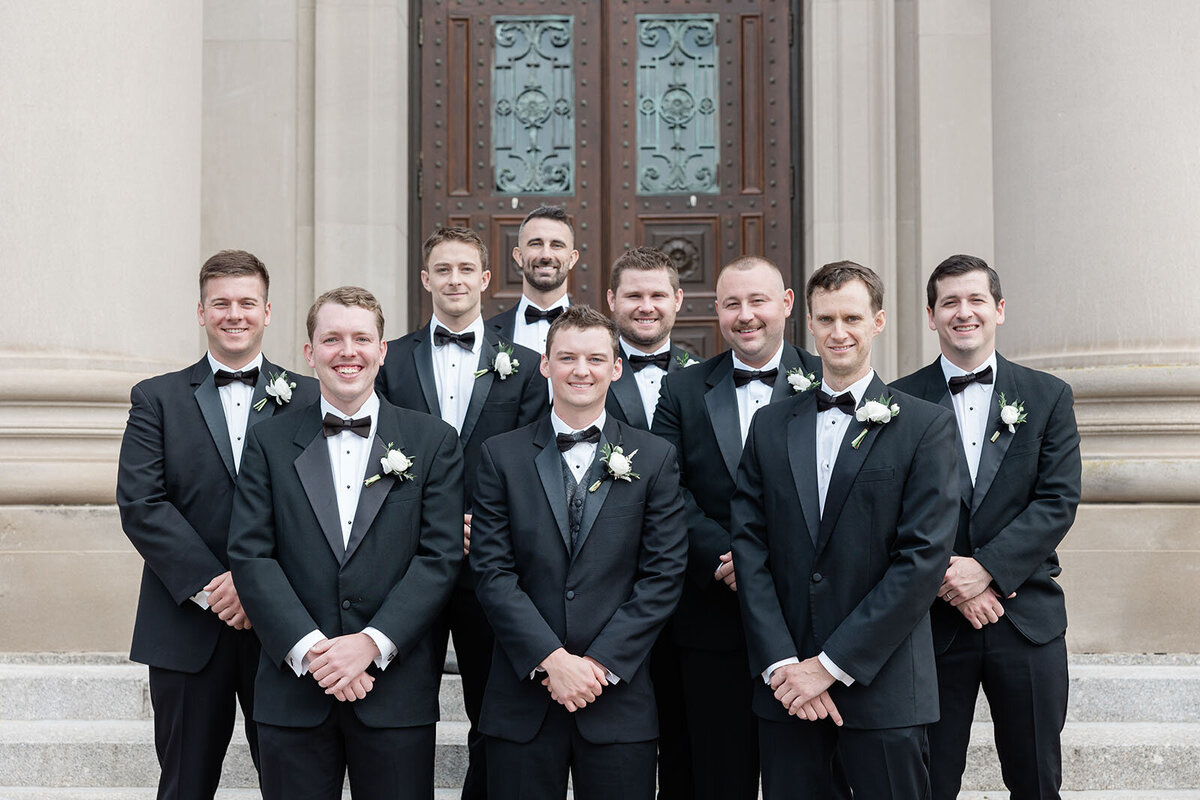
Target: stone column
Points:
x,y
1096,105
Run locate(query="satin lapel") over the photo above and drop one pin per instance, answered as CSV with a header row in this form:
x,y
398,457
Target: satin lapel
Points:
x,y
936,392
260,394
371,497
676,354
802,455
993,452
316,476
848,463
789,359
721,404
480,389
549,468
214,414
625,389
422,355
594,501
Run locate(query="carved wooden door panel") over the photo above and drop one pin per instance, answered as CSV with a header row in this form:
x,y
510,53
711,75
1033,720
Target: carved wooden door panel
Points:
x,y
659,123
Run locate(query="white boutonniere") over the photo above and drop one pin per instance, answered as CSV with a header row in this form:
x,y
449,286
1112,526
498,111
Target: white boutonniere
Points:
x,y
620,466
874,412
799,381
1011,415
503,364
394,463
280,388
685,360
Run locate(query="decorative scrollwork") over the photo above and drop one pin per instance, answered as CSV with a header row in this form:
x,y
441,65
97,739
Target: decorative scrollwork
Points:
x,y
684,254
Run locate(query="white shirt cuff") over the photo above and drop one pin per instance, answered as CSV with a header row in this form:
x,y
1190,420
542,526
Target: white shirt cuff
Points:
x,y
200,598
834,669
297,657
387,648
766,673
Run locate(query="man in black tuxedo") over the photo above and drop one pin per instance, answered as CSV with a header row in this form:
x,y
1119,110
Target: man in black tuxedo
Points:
x,y
545,254
1000,620
705,411
843,520
345,541
456,369
579,550
179,459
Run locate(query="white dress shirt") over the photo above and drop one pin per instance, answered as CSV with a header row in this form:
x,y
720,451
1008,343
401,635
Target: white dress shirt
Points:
x,y
348,456
831,430
649,378
755,394
454,371
534,336
971,407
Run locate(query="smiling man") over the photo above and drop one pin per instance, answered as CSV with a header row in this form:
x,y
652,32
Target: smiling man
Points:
x,y
705,411
346,539
579,554
179,458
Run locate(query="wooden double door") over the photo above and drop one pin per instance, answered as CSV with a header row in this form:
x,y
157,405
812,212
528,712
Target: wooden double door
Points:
x,y
668,124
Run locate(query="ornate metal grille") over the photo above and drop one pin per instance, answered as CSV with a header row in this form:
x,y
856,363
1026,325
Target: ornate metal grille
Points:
x,y
677,100
533,120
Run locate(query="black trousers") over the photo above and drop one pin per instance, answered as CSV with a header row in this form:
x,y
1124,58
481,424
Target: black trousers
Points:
x,y
722,730
194,715
799,760
464,618
537,769
311,763
674,748
1026,686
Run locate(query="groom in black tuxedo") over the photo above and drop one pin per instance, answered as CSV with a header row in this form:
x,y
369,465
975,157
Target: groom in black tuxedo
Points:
x,y
456,369
579,550
179,459
345,540
1000,618
843,520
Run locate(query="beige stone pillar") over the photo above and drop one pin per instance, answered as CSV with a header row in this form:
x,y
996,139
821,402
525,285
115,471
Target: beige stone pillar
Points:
x,y
1096,105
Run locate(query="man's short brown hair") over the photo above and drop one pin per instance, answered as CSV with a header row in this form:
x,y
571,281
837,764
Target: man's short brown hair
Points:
x,y
349,296
453,234
231,263
584,317
643,259
832,277
960,265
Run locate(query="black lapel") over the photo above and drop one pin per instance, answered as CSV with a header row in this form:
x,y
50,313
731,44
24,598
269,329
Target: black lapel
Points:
x,y
260,395
371,497
504,323
209,401
936,391
802,455
316,476
677,355
721,404
481,387
594,501
789,359
549,468
993,452
625,390
848,463
422,356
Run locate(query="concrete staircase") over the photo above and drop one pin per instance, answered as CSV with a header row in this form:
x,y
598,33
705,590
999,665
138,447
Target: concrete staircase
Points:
x,y
78,727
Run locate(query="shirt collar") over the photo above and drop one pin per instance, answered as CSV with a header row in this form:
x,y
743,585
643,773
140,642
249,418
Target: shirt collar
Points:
x,y
369,406
634,350
856,389
476,327
562,427
216,365
952,370
772,364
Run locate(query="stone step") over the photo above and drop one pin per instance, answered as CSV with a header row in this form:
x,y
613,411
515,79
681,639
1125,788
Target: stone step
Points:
x,y
149,793
113,754
1115,794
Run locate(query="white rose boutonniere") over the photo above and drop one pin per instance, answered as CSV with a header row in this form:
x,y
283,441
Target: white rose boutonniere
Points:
x,y
799,381
685,360
395,463
874,412
503,364
1011,415
620,466
279,388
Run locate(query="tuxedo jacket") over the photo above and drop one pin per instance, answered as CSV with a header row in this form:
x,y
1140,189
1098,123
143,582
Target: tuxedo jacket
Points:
x,y
625,401
855,582
497,406
503,324
395,574
698,413
608,600
175,480
1023,501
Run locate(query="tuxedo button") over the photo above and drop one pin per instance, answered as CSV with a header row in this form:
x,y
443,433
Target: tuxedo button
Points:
x,y
817,577
345,604
570,594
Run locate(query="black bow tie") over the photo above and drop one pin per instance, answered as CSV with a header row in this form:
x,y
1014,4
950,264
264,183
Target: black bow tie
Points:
x,y
843,402
661,360
533,315
441,336
960,382
224,377
332,425
743,376
566,441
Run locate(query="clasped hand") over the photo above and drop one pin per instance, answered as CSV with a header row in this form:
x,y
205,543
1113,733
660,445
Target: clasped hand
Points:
x,y
802,690
573,681
223,601
338,665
